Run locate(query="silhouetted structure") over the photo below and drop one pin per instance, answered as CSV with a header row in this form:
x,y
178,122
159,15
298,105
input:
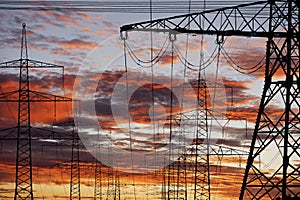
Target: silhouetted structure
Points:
x,y
278,22
24,96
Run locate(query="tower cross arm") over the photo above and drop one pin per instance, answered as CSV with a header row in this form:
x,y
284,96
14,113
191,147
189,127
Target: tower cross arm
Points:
x,y
31,64
39,133
226,151
250,20
34,96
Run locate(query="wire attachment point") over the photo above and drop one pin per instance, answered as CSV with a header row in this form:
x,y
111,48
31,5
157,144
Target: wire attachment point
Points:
x,y
220,39
124,35
172,37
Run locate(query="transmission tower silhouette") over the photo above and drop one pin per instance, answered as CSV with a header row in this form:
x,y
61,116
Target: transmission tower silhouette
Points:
x,y
113,185
24,96
280,131
278,22
98,181
70,126
75,165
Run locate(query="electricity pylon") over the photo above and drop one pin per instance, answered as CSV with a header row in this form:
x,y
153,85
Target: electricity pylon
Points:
x,y
177,180
278,22
113,185
75,158
98,181
98,187
24,96
75,165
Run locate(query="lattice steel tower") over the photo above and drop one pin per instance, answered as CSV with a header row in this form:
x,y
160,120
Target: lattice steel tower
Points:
x,y
98,181
23,188
279,129
24,96
75,165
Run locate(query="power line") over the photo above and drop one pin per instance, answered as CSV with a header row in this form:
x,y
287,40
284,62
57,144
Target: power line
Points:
x,y
276,127
178,6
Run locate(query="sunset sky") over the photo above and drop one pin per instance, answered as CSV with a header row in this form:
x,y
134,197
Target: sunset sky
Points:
x,y
118,117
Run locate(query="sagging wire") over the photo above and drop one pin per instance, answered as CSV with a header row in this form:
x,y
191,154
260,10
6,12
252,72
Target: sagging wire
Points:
x,y
153,60
129,121
220,41
202,65
185,64
172,38
239,68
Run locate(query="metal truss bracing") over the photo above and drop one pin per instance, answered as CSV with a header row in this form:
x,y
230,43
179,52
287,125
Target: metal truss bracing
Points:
x,y
113,185
98,181
112,182
251,20
37,133
194,159
277,129
33,96
24,96
117,187
23,189
75,166
30,64
201,169
110,193
177,183
98,187
69,126
176,171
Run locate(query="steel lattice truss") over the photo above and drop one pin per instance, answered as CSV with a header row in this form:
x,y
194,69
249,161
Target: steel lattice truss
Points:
x,y
280,130
24,96
201,170
113,185
75,158
98,181
75,167
277,21
23,188
250,20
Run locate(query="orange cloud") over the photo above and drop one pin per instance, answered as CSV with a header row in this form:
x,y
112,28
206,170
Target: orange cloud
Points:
x,y
41,113
167,59
76,44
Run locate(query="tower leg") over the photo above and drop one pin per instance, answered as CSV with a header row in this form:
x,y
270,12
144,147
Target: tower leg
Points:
x,y
276,138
